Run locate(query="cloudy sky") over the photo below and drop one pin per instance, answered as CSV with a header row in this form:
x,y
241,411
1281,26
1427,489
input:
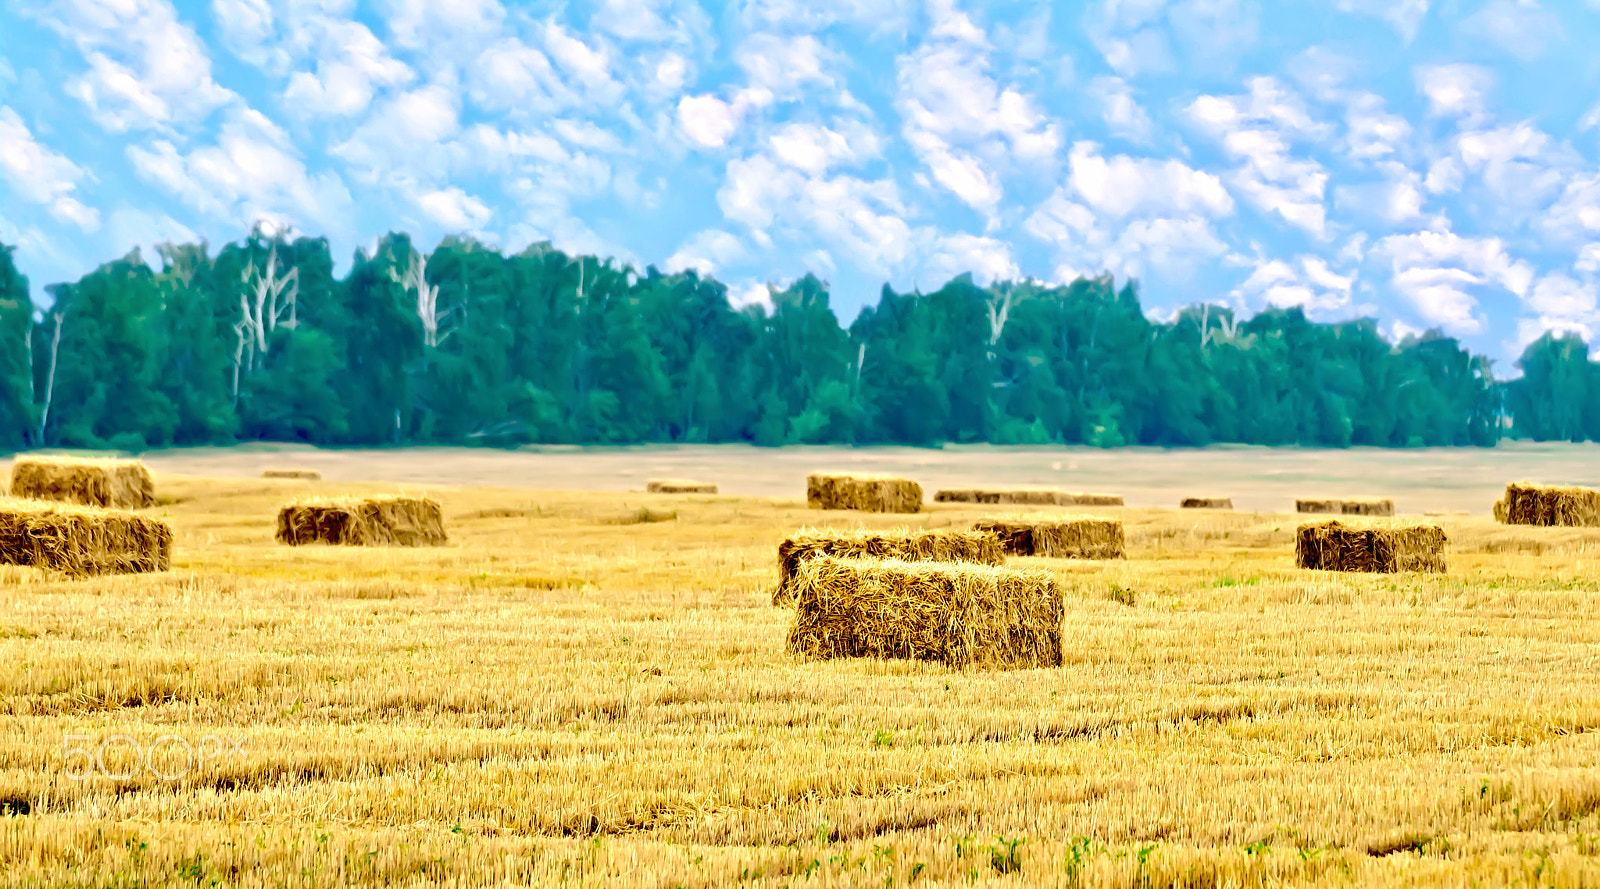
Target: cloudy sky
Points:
x,y
1427,162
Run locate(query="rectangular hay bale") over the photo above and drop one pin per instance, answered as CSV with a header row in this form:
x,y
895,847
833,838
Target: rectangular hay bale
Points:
x,y
868,492
958,614
109,484
1384,548
907,545
678,486
308,475
1374,506
1206,503
957,495
1335,507
82,540
1058,537
352,521
1066,498
1551,505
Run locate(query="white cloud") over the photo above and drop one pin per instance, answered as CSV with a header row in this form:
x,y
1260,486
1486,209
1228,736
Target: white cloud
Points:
x,y
351,66
589,65
129,227
706,252
510,74
1520,27
1308,283
1122,186
454,209
814,149
252,171
1373,132
785,66
1257,130
1396,199
424,24
1120,110
146,68
1519,164
883,16
1437,271
708,121
988,259
41,176
1456,90
404,136
1405,16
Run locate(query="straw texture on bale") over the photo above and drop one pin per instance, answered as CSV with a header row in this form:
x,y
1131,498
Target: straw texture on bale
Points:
x,y
1527,504
1381,548
1058,537
870,493
382,521
958,614
82,540
110,484
310,475
678,486
1502,514
905,545
957,495
1206,503
1374,506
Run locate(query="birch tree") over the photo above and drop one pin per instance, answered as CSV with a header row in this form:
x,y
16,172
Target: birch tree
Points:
x,y
268,292
415,279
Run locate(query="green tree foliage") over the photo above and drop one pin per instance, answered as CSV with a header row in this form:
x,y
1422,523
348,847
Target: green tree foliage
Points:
x,y
468,345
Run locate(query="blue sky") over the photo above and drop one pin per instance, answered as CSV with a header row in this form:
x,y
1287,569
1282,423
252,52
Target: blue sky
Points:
x,y
1426,162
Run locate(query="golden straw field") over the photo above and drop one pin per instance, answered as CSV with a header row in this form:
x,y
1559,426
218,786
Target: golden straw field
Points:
x,y
591,689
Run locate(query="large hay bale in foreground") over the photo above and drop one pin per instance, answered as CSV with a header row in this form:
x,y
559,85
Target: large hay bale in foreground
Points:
x,y
903,544
1206,503
308,475
958,614
1066,498
1374,506
678,486
82,540
1528,504
110,484
1057,537
867,492
352,521
1383,548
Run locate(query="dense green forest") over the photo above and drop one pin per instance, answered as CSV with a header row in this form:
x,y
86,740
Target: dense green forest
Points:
x,y
467,345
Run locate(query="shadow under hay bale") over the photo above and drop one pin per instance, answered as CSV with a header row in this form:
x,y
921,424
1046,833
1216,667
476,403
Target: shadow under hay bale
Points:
x,y
905,545
678,486
309,475
381,521
1058,537
1380,548
866,492
110,484
1551,505
82,540
1206,503
957,614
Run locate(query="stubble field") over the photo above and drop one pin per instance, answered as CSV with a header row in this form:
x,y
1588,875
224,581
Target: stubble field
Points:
x,y
591,689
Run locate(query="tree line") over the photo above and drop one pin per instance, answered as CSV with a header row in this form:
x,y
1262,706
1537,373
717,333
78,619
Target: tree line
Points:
x,y
467,345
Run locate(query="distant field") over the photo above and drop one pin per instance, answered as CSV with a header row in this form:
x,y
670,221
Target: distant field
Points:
x,y
591,689
1267,479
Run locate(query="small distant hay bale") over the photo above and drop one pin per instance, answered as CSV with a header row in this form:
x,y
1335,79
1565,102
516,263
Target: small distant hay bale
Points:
x,y
309,475
1058,537
903,544
1502,513
1066,498
1319,506
958,614
957,495
866,492
1381,548
1529,504
1206,503
110,484
1027,496
678,486
352,521
1373,506
82,540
